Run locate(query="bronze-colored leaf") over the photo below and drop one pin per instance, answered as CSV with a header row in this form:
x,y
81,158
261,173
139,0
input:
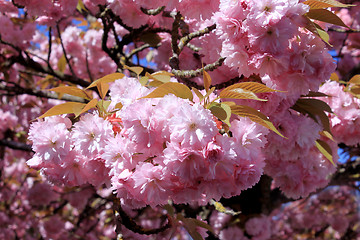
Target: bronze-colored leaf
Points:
x,y
355,79
88,106
239,93
255,116
106,79
252,87
137,70
65,108
325,15
207,80
318,4
74,91
178,89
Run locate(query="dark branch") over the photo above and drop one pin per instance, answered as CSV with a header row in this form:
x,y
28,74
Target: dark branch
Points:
x,y
49,50
64,51
174,60
16,145
130,224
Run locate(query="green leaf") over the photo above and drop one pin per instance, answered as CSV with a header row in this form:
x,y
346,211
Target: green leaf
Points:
x,y
317,4
222,111
178,89
327,135
324,36
219,207
103,105
255,116
65,108
74,91
207,80
81,7
325,15
317,30
325,149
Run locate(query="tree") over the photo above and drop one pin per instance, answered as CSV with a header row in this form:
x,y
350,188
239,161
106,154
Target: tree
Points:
x,y
178,119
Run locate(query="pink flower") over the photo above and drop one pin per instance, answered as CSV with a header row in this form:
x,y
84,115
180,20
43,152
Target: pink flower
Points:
x,y
259,227
150,184
192,126
127,90
186,163
51,139
90,134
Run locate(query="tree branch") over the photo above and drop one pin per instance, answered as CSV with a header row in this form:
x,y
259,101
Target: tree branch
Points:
x,y
152,12
130,224
64,51
340,30
174,60
197,72
18,90
185,40
16,145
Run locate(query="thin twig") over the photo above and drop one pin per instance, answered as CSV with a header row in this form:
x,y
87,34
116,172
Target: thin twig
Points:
x,y
136,50
152,12
64,51
49,48
87,66
339,30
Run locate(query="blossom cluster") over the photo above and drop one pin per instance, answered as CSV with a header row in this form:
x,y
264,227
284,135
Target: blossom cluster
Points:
x,y
168,148
346,114
266,38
